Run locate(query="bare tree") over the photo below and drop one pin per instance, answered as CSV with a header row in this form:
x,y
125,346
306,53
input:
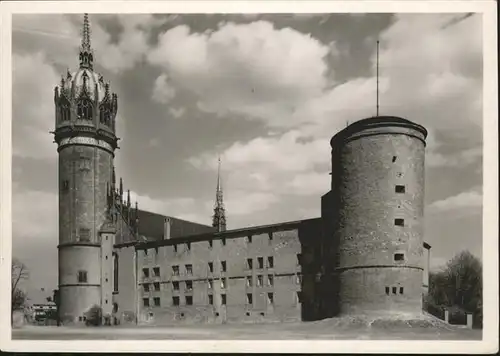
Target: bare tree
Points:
x,y
19,272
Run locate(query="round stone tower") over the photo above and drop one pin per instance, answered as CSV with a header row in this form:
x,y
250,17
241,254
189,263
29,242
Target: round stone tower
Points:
x,y
85,112
377,222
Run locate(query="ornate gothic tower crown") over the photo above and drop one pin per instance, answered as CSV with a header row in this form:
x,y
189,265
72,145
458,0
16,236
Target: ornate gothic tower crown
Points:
x,y
83,101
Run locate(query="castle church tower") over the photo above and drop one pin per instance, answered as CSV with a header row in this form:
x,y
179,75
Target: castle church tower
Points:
x,y
85,112
219,218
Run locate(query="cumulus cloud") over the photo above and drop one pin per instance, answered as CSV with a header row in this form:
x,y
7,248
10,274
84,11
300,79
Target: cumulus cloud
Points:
x,y
163,92
471,199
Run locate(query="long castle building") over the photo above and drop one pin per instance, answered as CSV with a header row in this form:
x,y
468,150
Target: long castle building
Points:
x,y
366,253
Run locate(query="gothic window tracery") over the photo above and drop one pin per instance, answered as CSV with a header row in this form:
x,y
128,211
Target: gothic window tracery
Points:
x,y
104,115
64,111
85,109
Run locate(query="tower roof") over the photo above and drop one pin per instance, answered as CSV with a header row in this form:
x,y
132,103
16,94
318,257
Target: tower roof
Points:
x,y
219,217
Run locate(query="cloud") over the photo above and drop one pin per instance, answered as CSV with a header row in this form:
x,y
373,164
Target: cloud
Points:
x,y
472,199
177,113
33,82
163,92
246,203
456,159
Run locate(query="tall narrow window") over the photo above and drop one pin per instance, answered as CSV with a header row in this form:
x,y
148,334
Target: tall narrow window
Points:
x,y
394,290
211,267
249,239
223,299
189,300
175,247
156,286
270,298
210,243
270,262
145,272
270,280
189,286
175,285
400,290
211,299
260,261
249,298
299,259
175,270
223,240
223,266
270,236
249,263
104,114
188,246
64,111
300,297
175,300
145,301
156,271
387,290
115,272
189,269
156,301
394,159
145,286
260,280
249,281
210,283
223,283
84,109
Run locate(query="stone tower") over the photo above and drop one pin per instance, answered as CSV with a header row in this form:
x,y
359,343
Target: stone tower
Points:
x,y
219,218
374,216
85,112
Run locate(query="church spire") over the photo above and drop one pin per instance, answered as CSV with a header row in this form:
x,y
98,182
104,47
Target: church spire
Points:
x,y
219,218
86,53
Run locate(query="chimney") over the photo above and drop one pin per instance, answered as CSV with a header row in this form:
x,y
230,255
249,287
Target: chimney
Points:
x,y
166,229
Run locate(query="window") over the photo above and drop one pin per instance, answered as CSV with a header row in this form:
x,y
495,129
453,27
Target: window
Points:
x,y
270,280
156,301
64,111
249,239
188,246
394,290
400,290
210,299
146,287
104,114
400,188
399,222
189,285
211,267
156,271
156,250
175,285
223,242
260,261
175,248
156,286
115,271
270,236
260,280
210,284
189,300
175,300
106,257
299,297
223,283
299,259
145,252
223,266
145,272
387,290
65,186
82,276
394,159
249,263
223,299
399,257
84,109
189,269
270,298
249,281
249,298
145,301
210,243
270,262
175,270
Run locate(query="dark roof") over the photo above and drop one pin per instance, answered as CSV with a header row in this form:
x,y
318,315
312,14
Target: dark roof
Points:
x,y
376,121
151,226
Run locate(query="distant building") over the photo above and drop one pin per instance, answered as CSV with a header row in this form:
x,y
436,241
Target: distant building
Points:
x,y
364,254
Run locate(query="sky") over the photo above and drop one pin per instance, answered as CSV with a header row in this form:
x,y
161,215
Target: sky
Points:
x,y
265,92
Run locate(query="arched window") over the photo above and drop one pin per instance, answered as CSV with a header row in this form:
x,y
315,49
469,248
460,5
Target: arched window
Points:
x,y
85,109
64,111
115,272
104,114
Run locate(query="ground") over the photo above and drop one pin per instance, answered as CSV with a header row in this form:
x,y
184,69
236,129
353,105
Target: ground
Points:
x,y
330,329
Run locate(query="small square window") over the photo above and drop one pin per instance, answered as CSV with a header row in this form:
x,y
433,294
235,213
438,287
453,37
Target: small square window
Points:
x,y
156,271
175,270
156,286
394,290
175,285
189,285
189,269
387,290
399,257
260,261
223,266
270,280
145,272
401,290
189,300
399,222
249,263
175,300
260,280
210,299
249,298
156,300
146,287
82,276
223,299
270,262
249,281
270,298
145,301
400,188
211,267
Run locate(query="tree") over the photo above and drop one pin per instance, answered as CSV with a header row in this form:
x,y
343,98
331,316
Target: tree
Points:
x,y
19,272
